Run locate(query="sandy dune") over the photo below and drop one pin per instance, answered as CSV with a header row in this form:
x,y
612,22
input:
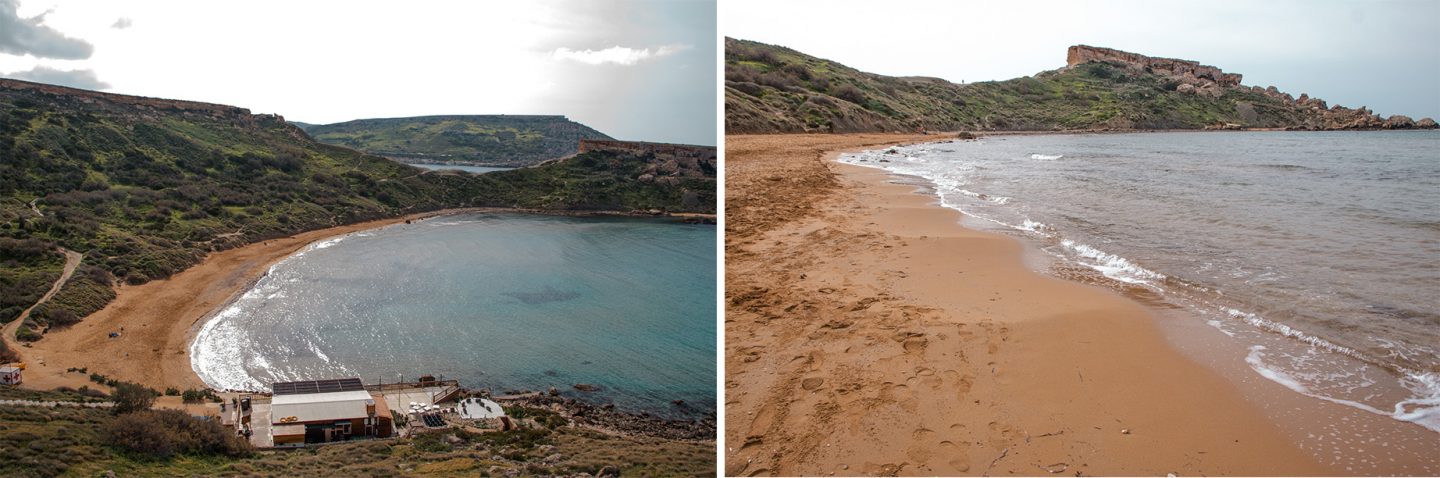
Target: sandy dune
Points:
x,y
868,333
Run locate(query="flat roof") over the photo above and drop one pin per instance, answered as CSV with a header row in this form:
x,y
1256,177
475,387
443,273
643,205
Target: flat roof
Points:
x,y
317,386
312,407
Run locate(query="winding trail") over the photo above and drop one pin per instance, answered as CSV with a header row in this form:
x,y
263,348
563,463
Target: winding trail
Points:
x,y
72,260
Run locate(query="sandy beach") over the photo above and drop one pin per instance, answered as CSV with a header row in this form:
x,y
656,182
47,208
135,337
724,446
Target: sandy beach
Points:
x,y
868,333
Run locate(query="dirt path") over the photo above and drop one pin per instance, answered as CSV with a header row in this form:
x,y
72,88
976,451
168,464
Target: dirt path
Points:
x,y
72,261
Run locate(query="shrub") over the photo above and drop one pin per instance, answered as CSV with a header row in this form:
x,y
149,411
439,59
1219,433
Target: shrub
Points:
x,y
132,397
26,334
172,392
165,433
850,93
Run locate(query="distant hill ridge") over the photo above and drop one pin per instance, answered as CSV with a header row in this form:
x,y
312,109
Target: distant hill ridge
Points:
x,y
485,140
772,89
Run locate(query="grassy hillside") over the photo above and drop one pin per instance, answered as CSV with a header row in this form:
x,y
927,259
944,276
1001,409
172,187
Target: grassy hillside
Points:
x,y
488,140
600,180
146,188
771,89
65,441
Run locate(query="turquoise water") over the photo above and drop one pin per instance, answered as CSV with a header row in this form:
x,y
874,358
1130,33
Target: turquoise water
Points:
x,y
499,301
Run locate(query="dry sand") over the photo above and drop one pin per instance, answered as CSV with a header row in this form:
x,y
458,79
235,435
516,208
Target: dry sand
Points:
x,y
158,319
867,333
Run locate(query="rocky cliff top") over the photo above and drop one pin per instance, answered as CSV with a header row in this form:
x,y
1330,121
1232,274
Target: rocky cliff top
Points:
x,y
1191,77
137,107
667,162
1191,71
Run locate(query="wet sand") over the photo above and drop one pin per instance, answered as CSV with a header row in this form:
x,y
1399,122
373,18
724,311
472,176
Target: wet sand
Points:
x,y
867,333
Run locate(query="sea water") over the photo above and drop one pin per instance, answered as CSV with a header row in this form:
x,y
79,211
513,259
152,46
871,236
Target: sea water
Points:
x,y
497,301
1318,251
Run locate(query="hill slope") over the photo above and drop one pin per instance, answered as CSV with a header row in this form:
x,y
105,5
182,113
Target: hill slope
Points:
x,y
482,140
146,187
772,89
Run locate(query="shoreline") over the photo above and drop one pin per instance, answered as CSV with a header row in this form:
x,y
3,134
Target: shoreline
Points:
x,y
1326,428
868,332
158,320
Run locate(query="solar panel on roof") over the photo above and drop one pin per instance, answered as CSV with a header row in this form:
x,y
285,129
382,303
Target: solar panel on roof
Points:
x,y
317,386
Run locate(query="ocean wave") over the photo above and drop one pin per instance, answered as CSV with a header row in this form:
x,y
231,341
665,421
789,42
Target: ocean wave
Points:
x,y
1046,157
1113,266
1033,226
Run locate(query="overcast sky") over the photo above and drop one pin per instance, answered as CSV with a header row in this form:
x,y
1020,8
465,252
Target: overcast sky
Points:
x,y
633,69
1380,54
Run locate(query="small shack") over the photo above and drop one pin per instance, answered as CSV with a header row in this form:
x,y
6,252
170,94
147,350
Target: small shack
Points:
x,y
10,375
320,411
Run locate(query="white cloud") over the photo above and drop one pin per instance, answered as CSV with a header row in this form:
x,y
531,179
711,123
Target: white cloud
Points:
x,y
121,23
618,55
83,79
31,36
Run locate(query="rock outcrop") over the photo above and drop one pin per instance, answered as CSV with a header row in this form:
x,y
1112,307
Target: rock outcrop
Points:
x,y
669,161
1188,72
1197,79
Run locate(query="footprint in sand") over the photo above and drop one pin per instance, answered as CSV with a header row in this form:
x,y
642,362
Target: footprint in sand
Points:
x,y
812,383
914,345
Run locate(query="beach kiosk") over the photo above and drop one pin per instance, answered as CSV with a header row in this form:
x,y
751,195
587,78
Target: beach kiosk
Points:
x,y
321,411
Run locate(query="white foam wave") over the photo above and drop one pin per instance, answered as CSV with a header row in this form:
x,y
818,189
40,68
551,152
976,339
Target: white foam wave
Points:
x,y
1046,157
1113,266
1033,226
325,243
1423,410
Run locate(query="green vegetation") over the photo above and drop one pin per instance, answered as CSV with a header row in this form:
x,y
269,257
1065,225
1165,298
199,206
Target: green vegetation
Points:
x,y
490,140
772,89
132,397
161,434
599,180
69,441
145,191
31,266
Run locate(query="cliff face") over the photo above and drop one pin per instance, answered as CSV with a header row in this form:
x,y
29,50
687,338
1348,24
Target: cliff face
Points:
x,y
772,89
1189,72
1194,78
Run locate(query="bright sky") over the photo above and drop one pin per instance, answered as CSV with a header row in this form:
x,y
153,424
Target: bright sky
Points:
x,y
1380,54
633,69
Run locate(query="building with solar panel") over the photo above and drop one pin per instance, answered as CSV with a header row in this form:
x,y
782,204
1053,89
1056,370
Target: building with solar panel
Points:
x,y
321,411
